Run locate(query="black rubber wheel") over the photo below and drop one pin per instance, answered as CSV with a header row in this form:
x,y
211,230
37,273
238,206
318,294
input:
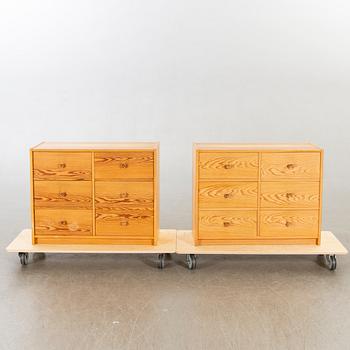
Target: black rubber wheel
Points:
x,y
161,261
331,262
191,261
23,258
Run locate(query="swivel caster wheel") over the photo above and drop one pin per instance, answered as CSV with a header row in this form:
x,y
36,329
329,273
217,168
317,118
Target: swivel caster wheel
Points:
x,y
23,258
191,261
331,261
161,261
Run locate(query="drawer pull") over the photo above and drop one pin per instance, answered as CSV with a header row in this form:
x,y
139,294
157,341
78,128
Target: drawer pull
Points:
x,y
124,223
227,223
227,195
288,223
63,194
63,222
228,166
289,195
124,195
123,165
291,166
62,165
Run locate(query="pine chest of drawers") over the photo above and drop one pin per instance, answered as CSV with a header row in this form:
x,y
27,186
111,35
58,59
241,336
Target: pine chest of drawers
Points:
x,y
98,193
257,194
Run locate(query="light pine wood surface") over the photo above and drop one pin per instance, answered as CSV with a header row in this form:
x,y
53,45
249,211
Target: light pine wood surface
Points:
x,y
228,194
228,165
62,222
329,245
290,194
23,243
290,166
95,193
225,224
96,146
123,165
257,193
62,166
63,194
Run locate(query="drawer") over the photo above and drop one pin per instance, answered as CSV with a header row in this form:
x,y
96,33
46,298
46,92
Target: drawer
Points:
x,y
126,222
228,165
63,222
62,166
289,166
290,194
227,224
124,165
63,194
289,223
227,194
123,194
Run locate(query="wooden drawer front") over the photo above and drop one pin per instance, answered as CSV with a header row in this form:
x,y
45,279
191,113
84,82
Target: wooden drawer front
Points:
x,y
62,166
228,165
123,165
63,222
126,222
228,194
290,194
289,166
62,194
289,223
124,195
227,224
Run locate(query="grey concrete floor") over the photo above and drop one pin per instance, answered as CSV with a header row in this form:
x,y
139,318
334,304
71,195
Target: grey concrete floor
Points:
x,y
124,302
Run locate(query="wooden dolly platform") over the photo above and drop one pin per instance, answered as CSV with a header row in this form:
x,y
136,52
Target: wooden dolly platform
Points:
x,y
22,245
329,247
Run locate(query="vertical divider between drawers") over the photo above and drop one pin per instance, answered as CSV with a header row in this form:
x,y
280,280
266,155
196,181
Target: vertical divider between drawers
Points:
x,y
93,193
259,196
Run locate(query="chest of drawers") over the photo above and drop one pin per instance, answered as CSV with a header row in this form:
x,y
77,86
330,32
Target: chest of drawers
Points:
x,y
98,193
257,194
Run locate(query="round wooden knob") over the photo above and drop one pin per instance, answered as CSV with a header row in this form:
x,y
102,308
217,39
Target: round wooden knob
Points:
x,y
288,223
63,194
227,166
124,165
227,195
289,194
124,195
62,165
291,166
124,223
226,224
63,222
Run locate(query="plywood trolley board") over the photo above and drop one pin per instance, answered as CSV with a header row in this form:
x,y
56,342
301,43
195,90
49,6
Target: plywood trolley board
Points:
x,y
23,245
330,247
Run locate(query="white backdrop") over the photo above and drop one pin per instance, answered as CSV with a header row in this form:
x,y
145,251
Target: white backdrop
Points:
x,y
175,72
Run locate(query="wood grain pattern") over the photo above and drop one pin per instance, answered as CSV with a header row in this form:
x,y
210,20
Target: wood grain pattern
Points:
x,y
227,194
123,165
62,166
228,165
63,222
63,194
290,194
257,178
226,224
123,194
125,222
289,223
289,166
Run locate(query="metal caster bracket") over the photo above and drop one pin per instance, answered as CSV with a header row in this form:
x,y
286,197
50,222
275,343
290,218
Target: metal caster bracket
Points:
x,y
161,261
23,258
331,261
191,260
